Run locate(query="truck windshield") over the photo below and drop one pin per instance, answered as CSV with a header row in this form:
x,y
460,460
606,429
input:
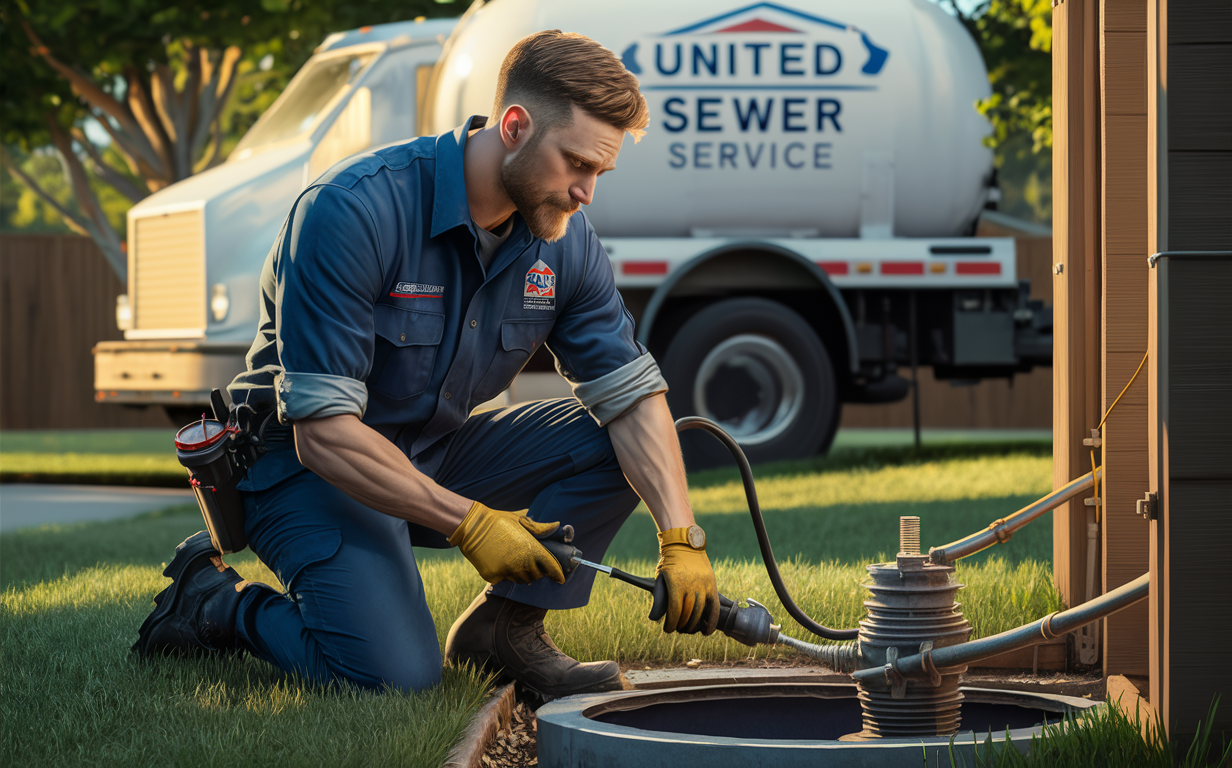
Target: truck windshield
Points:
x,y
299,108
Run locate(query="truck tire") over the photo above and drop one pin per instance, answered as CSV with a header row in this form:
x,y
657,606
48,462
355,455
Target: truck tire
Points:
x,y
758,369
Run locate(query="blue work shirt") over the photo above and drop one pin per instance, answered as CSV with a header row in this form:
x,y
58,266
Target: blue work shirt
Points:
x,y
374,300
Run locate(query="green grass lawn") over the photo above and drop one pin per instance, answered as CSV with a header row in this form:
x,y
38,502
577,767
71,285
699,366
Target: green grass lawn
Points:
x,y
147,456
73,597
95,456
109,441
1110,737
140,469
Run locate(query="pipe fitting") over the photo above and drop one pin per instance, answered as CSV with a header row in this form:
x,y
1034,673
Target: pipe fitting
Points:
x,y
912,610
1053,625
841,657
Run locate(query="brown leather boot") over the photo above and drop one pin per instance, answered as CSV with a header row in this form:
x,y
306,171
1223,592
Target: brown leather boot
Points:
x,y
499,635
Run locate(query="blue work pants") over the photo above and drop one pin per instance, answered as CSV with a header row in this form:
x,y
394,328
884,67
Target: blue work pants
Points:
x,y
354,608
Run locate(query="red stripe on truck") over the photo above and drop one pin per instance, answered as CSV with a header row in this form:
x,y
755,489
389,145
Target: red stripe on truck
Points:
x,y
644,267
978,268
902,267
833,267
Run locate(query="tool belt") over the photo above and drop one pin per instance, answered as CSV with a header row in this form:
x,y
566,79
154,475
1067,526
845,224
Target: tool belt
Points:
x,y
217,453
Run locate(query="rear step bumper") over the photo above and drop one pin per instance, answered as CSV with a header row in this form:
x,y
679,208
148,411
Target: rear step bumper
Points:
x,y
164,372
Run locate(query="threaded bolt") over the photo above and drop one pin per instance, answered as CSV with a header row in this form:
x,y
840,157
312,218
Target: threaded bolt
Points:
x,y
909,535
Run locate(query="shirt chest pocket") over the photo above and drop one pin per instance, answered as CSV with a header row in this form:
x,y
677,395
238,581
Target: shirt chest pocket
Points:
x,y
406,345
519,339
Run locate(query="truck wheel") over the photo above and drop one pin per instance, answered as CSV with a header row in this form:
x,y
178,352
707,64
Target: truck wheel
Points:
x,y
758,369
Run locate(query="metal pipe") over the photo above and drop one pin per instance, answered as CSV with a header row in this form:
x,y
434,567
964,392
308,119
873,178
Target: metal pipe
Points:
x,y
1088,636
915,371
1000,531
925,665
1092,544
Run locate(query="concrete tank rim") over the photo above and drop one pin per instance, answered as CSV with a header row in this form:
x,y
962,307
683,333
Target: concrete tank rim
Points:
x,y
568,713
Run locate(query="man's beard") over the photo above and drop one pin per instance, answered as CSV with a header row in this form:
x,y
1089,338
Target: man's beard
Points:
x,y
546,213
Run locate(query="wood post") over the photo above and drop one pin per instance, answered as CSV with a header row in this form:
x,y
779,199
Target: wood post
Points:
x,y
1125,249
1156,235
1076,290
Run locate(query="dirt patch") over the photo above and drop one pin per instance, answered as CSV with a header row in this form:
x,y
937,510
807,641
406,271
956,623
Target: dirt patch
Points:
x,y
514,744
1090,686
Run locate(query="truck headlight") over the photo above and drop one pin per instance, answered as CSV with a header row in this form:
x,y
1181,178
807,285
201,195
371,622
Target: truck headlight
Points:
x,y
124,313
220,304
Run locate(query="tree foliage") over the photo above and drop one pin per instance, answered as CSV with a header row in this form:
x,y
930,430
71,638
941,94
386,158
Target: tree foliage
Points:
x,y
1015,37
172,85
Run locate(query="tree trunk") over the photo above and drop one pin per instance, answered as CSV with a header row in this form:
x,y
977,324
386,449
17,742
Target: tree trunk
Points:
x,y
163,133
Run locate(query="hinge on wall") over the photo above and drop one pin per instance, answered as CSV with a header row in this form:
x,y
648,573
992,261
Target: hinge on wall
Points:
x,y
1094,440
1092,502
1148,506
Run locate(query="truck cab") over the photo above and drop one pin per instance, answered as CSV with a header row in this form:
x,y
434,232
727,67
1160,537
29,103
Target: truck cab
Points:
x,y
195,249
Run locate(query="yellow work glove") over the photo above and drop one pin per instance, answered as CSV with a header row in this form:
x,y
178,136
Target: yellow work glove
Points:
x,y
692,594
501,545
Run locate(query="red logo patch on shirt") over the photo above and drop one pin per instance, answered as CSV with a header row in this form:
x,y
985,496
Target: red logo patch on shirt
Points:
x,y
540,290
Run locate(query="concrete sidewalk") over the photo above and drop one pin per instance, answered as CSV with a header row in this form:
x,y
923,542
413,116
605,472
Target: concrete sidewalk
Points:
x,y
27,505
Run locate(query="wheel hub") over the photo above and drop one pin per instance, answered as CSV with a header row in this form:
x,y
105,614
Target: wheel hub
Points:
x,y
750,385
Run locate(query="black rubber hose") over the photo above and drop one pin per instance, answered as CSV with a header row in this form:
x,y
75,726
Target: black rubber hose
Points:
x,y
759,525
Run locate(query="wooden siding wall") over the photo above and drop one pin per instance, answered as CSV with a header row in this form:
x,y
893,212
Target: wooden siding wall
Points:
x,y
1124,250
1077,275
57,299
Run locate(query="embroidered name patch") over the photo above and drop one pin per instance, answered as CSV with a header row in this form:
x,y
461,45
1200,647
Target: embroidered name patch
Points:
x,y
417,291
540,291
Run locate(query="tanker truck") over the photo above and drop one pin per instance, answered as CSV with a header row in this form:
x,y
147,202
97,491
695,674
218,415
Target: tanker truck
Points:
x,y
795,228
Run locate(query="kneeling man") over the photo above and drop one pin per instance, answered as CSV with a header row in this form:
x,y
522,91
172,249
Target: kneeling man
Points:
x,y
409,285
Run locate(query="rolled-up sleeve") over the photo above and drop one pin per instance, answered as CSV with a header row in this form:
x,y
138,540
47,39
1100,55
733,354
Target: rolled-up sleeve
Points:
x,y
607,397
317,395
594,343
329,275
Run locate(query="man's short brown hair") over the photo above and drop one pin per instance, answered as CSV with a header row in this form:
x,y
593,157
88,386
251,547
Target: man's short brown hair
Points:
x,y
549,71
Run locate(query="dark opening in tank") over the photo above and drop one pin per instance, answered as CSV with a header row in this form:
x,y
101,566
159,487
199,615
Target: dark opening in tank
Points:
x,y
787,714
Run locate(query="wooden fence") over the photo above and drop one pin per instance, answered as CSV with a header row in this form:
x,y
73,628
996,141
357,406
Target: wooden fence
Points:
x,y
57,299
59,294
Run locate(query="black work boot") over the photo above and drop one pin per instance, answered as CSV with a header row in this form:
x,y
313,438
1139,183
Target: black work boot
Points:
x,y
499,635
196,614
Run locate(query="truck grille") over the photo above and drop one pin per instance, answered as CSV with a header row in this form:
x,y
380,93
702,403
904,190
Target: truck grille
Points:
x,y
167,266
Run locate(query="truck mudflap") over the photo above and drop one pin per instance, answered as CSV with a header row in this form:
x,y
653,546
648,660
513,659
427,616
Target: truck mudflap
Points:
x,y
164,372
